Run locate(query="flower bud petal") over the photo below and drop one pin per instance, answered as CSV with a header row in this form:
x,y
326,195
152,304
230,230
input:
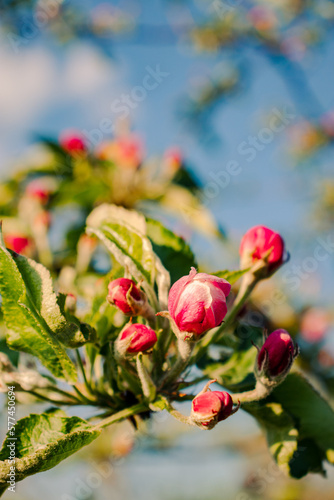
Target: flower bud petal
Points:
x,y
124,294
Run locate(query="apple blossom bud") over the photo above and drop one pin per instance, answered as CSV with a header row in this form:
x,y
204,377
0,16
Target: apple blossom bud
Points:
x,y
124,294
261,243
276,355
173,158
134,339
17,243
40,189
125,151
197,303
210,407
73,143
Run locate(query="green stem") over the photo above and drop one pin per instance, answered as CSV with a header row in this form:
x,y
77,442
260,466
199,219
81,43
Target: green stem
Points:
x,y
185,349
83,371
260,392
45,398
121,415
84,398
64,393
247,286
179,416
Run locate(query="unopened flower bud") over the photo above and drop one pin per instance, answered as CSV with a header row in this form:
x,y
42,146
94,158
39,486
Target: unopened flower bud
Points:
x,y
261,243
197,303
18,244
73,143
134,339
173,159
41,189
210,407
276,355
124,294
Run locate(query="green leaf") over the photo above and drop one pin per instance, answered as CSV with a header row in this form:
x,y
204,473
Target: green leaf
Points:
x,y
231,276
299,425
173,251
124,234
110,224
23,305
279,427
237,373
42,442
39,287
314,415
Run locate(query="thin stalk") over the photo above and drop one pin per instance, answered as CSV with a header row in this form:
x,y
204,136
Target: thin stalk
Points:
x,y
247,286
84,398
122,415
260,392
185,349
45,398
64,393
178,416
83,371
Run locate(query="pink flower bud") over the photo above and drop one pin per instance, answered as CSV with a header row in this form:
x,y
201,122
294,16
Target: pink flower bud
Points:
x,y
256,244
277,354
73,142
124,294
17,243
136,338
125,151
40,189
197,302
210,407
173,158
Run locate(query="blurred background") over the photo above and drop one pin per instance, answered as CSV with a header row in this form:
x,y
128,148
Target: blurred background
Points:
x,y
239,94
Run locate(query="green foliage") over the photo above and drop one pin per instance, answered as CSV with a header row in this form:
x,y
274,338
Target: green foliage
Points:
x,y
297,421
299,425
42,442
32,315
124,234
173,251
236,373
231,276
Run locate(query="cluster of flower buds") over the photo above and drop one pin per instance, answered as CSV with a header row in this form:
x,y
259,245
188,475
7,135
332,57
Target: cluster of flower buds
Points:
x,y
134,339
124,294
196,304
275,357
264,247
210,407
